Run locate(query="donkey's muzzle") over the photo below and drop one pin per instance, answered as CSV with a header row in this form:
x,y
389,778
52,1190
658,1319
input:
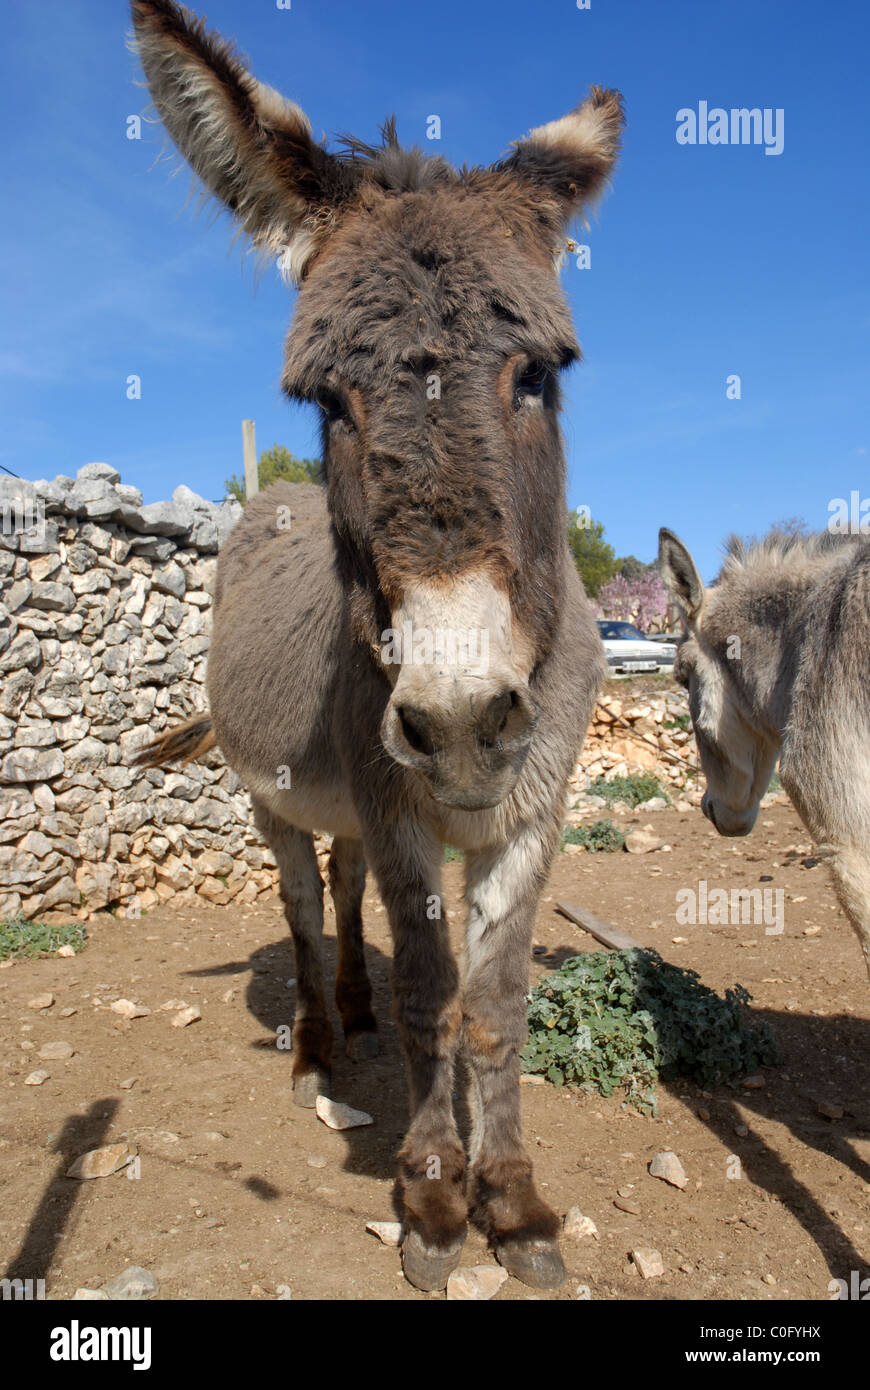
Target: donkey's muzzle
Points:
x,y
468,747
728,822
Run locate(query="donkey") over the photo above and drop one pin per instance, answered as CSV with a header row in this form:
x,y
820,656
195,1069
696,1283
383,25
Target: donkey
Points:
x,y
430,329
775,662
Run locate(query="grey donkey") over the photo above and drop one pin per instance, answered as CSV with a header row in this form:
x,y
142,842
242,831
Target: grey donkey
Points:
x,y
775,663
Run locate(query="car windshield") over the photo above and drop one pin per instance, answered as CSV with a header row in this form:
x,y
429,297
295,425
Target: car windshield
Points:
x,y
619,632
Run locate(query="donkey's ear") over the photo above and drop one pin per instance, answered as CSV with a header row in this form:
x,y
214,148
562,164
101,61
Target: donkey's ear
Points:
x,y
680,575
251,147
572,158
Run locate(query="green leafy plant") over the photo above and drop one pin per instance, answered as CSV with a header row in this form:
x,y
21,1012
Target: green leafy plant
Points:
x,y
638,787
20,939
628,1018
451,854
273,464
679,721
601,835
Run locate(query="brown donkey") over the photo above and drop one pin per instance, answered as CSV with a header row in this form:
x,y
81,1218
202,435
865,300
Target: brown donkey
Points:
x,y
413,661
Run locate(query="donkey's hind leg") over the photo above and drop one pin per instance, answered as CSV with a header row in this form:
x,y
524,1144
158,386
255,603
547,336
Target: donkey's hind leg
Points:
x,y
850,871
302,894
353,992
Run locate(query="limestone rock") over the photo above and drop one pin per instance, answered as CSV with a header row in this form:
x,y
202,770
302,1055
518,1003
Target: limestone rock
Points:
x,y
134,1284
387,1232
667,1166
577,1226
475,1283
103,471
338,1116
41,1001
648,1262
186,1016
642,842
101,1163
127,1009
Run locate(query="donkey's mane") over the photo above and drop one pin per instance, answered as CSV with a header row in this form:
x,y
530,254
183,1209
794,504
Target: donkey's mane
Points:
x,y
779,548
391,166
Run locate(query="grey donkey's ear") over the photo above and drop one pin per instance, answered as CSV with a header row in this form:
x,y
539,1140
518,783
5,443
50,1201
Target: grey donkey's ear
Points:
x,y
251,147
571,158
680,575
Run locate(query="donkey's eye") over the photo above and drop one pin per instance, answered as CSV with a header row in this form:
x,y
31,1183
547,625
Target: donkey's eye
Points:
x,y
530,383
333,407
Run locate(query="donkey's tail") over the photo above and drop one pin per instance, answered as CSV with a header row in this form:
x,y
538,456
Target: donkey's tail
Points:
x,y
185,742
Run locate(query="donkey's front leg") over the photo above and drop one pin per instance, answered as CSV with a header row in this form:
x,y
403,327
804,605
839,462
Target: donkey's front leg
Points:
x,y
502,889
426,1003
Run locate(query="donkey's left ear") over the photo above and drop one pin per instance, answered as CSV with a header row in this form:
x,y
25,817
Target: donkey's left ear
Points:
x,y
680,575
571,159
251,147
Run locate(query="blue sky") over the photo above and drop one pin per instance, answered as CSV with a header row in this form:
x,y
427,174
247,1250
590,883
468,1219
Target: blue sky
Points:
x,y
705,260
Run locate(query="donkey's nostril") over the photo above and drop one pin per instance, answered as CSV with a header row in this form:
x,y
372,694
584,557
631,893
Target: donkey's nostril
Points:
x,y
417,730
505,717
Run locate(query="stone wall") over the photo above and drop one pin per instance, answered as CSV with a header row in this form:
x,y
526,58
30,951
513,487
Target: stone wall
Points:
x,y
647,733
105,612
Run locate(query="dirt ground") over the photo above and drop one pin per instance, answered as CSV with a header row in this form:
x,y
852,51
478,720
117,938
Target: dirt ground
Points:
x,y
242,1195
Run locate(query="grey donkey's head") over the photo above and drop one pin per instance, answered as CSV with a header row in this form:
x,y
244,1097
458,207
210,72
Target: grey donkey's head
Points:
x,y
737,757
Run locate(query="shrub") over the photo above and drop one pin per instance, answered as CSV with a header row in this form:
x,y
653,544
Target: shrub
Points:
x,y
627,1018
638,787
600,835
20,939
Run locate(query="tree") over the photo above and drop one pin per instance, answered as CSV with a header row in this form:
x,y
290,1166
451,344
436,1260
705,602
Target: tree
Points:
x,y
273,464
594,558
632,568
642,601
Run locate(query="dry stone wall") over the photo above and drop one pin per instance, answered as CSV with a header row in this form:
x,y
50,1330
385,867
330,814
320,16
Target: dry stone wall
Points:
x,y
105,613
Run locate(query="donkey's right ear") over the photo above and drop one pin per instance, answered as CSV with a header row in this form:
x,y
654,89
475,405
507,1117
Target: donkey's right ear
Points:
x,y
680,575
250,146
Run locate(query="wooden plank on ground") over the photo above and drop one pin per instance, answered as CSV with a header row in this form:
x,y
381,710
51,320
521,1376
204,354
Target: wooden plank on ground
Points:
x,y
602,931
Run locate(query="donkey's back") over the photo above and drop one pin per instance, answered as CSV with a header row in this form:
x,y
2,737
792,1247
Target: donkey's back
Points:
x,y
278,658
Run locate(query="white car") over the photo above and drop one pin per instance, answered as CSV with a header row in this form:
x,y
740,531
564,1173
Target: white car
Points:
x,y
628,651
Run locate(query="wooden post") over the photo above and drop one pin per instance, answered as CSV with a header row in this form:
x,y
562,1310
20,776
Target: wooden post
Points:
x,y
249,445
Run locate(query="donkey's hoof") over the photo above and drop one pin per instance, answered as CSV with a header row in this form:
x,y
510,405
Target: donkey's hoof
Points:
x,y
537,1263
428,1267
309,1086
361,1047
